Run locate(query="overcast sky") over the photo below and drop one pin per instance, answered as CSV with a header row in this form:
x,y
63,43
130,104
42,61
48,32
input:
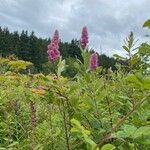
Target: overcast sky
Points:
x,y
108,21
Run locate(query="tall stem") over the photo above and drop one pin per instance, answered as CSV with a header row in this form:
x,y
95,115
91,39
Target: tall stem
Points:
x,y
65,125
109,111
33,123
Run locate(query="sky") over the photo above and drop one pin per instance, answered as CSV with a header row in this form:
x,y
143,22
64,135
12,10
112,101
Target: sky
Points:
x,y
109,22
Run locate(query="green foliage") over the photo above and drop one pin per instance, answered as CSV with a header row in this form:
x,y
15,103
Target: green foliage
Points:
x,y
108,147
91,110
83,133
14,65
147,24
28,47
18,65
144,49
61,67
132,132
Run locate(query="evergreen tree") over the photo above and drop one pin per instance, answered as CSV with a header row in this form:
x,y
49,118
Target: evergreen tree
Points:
x,y
24,47
34,49
74,50
4,42
15,42
107,62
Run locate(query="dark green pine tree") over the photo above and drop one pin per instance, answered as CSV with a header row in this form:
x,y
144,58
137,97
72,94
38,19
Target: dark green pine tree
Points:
x,y
15,42
35,51
5,42
64,48
107,62
24,47
74,50
42,46
0,42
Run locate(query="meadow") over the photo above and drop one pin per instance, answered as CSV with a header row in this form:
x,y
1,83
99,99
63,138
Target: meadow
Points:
x,y
95,109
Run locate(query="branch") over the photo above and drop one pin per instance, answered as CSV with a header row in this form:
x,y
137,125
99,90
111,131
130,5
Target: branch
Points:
x,y
66,128
119,123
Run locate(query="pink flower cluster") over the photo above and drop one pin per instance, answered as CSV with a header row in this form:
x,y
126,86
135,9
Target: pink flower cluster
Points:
x,y
53,48
54,53
93,61
84,38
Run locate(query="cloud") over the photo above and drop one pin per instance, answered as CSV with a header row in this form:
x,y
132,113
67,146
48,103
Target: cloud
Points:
x,y
109,22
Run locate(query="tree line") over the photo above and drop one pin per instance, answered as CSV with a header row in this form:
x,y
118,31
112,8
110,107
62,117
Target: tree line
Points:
x,y
27,46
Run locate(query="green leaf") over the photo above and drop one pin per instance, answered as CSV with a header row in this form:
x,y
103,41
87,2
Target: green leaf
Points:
x,y
132,132
39,147
108,147
84,134
3,148
61,66
135,60
125,48
142,131
147,23
135,79
128,131
138,80
13,144
144,49
124,97
146,83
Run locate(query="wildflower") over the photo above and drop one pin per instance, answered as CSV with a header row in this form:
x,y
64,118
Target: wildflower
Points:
x,y
93,61
84,38
33,115
53,48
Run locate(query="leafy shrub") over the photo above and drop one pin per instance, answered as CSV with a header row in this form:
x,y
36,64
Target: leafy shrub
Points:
x,y
93,110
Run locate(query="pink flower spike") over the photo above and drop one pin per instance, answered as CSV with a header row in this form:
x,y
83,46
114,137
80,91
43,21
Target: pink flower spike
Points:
x,y
53,48
93,61
55,38
84,38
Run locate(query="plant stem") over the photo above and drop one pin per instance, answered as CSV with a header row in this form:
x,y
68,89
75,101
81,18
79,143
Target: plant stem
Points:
x,y
109,111
65,125
33,123
50,108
